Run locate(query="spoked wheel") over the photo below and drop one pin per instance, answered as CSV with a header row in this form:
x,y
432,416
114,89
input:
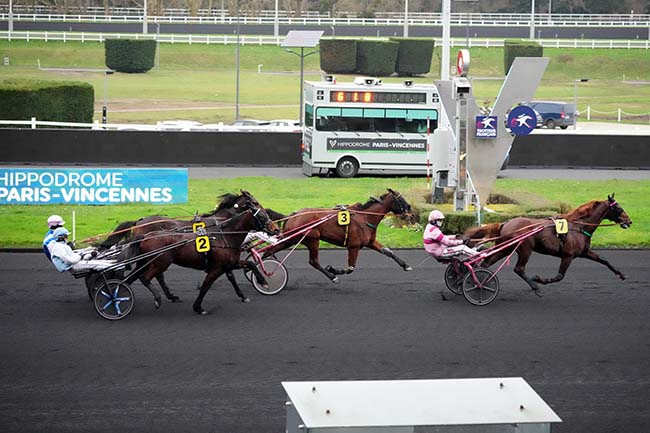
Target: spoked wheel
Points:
x,y
94,280
454,275
276,281
484,289
114,300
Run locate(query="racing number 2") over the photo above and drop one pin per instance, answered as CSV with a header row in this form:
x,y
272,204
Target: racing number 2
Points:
x,y
202,244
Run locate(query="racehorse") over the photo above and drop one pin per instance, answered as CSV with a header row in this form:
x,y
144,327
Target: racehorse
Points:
x,y
224,253
128,230
582,223
311,225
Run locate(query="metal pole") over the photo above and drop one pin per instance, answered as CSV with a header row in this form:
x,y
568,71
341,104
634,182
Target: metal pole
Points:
x,y
237,62
446,24
144,19
550,2
157,45
532,20
276,26
105,107
302,63
406,18
11,17
575,100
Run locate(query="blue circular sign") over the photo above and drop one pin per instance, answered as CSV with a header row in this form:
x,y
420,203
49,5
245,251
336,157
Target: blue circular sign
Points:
x,y
522,120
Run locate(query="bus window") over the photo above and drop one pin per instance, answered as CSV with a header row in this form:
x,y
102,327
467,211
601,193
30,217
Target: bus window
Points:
x,y
309,115
375,120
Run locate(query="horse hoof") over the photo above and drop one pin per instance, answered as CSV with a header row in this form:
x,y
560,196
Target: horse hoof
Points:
x,y
335,279
622,277
156,303
408,268
246,300
176,300
204,313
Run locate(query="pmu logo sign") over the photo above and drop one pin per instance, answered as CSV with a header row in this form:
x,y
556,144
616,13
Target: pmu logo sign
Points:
x,y
522,120
486,126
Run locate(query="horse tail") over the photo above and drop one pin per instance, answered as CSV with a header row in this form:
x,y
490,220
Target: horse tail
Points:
x,y
485,231
119,233
131,250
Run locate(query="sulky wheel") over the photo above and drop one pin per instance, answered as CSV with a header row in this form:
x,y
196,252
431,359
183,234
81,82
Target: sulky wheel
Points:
x,y
480,288
454,275
277,280
113,299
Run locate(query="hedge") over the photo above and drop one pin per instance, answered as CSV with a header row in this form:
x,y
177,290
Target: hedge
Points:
x,y
376,58
54,101
414,55
338,56
130,55
519,48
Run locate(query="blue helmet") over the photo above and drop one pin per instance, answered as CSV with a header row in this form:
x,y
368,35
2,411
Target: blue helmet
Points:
x,y
61,232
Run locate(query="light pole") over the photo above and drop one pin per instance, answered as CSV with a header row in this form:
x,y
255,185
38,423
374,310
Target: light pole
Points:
x,y
237,63
406,18
157,45
276,26
532,20
144,18
446,40
105,107
11,17
575,100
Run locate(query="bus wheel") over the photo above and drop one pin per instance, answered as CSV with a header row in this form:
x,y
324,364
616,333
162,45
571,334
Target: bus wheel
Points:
x,y
347,167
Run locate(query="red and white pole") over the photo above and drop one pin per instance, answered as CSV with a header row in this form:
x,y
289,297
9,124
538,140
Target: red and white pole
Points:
x,y
428,162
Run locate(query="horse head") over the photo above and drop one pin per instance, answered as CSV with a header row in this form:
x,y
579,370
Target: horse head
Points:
x,y
401,207
262,220
617,213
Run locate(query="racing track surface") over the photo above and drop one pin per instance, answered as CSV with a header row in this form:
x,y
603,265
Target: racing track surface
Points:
x,y
583,346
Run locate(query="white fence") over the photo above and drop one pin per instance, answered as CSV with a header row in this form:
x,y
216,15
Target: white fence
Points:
x,y
619,113
415,19
272,40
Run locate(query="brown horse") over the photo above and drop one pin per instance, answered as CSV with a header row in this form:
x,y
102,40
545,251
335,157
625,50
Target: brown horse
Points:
x,y
582,223
303,226
224,254
128,230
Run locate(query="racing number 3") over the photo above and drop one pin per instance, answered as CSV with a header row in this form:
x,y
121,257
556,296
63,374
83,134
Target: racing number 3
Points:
x,y
344,218
202,244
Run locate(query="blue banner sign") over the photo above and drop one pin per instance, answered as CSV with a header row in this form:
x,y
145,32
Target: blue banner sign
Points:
x,y
93,186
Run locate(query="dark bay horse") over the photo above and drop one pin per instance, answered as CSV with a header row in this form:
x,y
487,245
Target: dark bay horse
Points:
x,y
128,230
223,256
359,233
582,223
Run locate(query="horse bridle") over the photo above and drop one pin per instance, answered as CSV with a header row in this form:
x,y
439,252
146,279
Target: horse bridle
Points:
x,y
260,223
401,208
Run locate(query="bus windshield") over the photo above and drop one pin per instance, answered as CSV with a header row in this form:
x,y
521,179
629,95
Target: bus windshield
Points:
x,y
397,120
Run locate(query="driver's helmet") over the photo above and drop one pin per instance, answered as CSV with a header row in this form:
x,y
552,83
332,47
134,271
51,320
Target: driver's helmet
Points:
x,y
60,233
55,221
436,215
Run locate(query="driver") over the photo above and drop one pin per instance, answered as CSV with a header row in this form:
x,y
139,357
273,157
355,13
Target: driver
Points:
x,y
438,244
53,222
65,259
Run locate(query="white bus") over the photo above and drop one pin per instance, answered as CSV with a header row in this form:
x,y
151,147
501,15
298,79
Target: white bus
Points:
x,y
367,125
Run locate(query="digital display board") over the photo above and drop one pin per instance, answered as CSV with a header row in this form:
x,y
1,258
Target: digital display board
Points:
x,y
378,97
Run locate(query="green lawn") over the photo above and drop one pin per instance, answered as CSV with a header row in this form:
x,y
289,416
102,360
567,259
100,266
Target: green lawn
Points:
x,y
205,75
24,226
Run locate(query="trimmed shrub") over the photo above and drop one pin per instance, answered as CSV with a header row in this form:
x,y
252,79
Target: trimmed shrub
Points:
x,y
519,48
376,58
414,56
130,55
55,101
338,56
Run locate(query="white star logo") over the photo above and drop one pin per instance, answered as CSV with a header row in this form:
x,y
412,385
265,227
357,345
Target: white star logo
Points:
x,y
487,122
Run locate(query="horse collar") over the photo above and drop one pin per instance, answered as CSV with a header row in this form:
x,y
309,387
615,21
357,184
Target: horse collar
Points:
x,y
372,226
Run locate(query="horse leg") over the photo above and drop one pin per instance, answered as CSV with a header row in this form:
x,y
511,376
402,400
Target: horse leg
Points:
x,y
520,268
168,292
565,262
388,253
233,281
146,281
203,289
312,246
596,258
353,254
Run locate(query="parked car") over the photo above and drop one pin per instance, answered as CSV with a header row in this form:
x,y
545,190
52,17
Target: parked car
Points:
x,y
285,125
555,113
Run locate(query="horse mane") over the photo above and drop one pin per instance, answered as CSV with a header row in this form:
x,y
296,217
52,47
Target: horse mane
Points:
x,y
226,200
582,211
370,202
